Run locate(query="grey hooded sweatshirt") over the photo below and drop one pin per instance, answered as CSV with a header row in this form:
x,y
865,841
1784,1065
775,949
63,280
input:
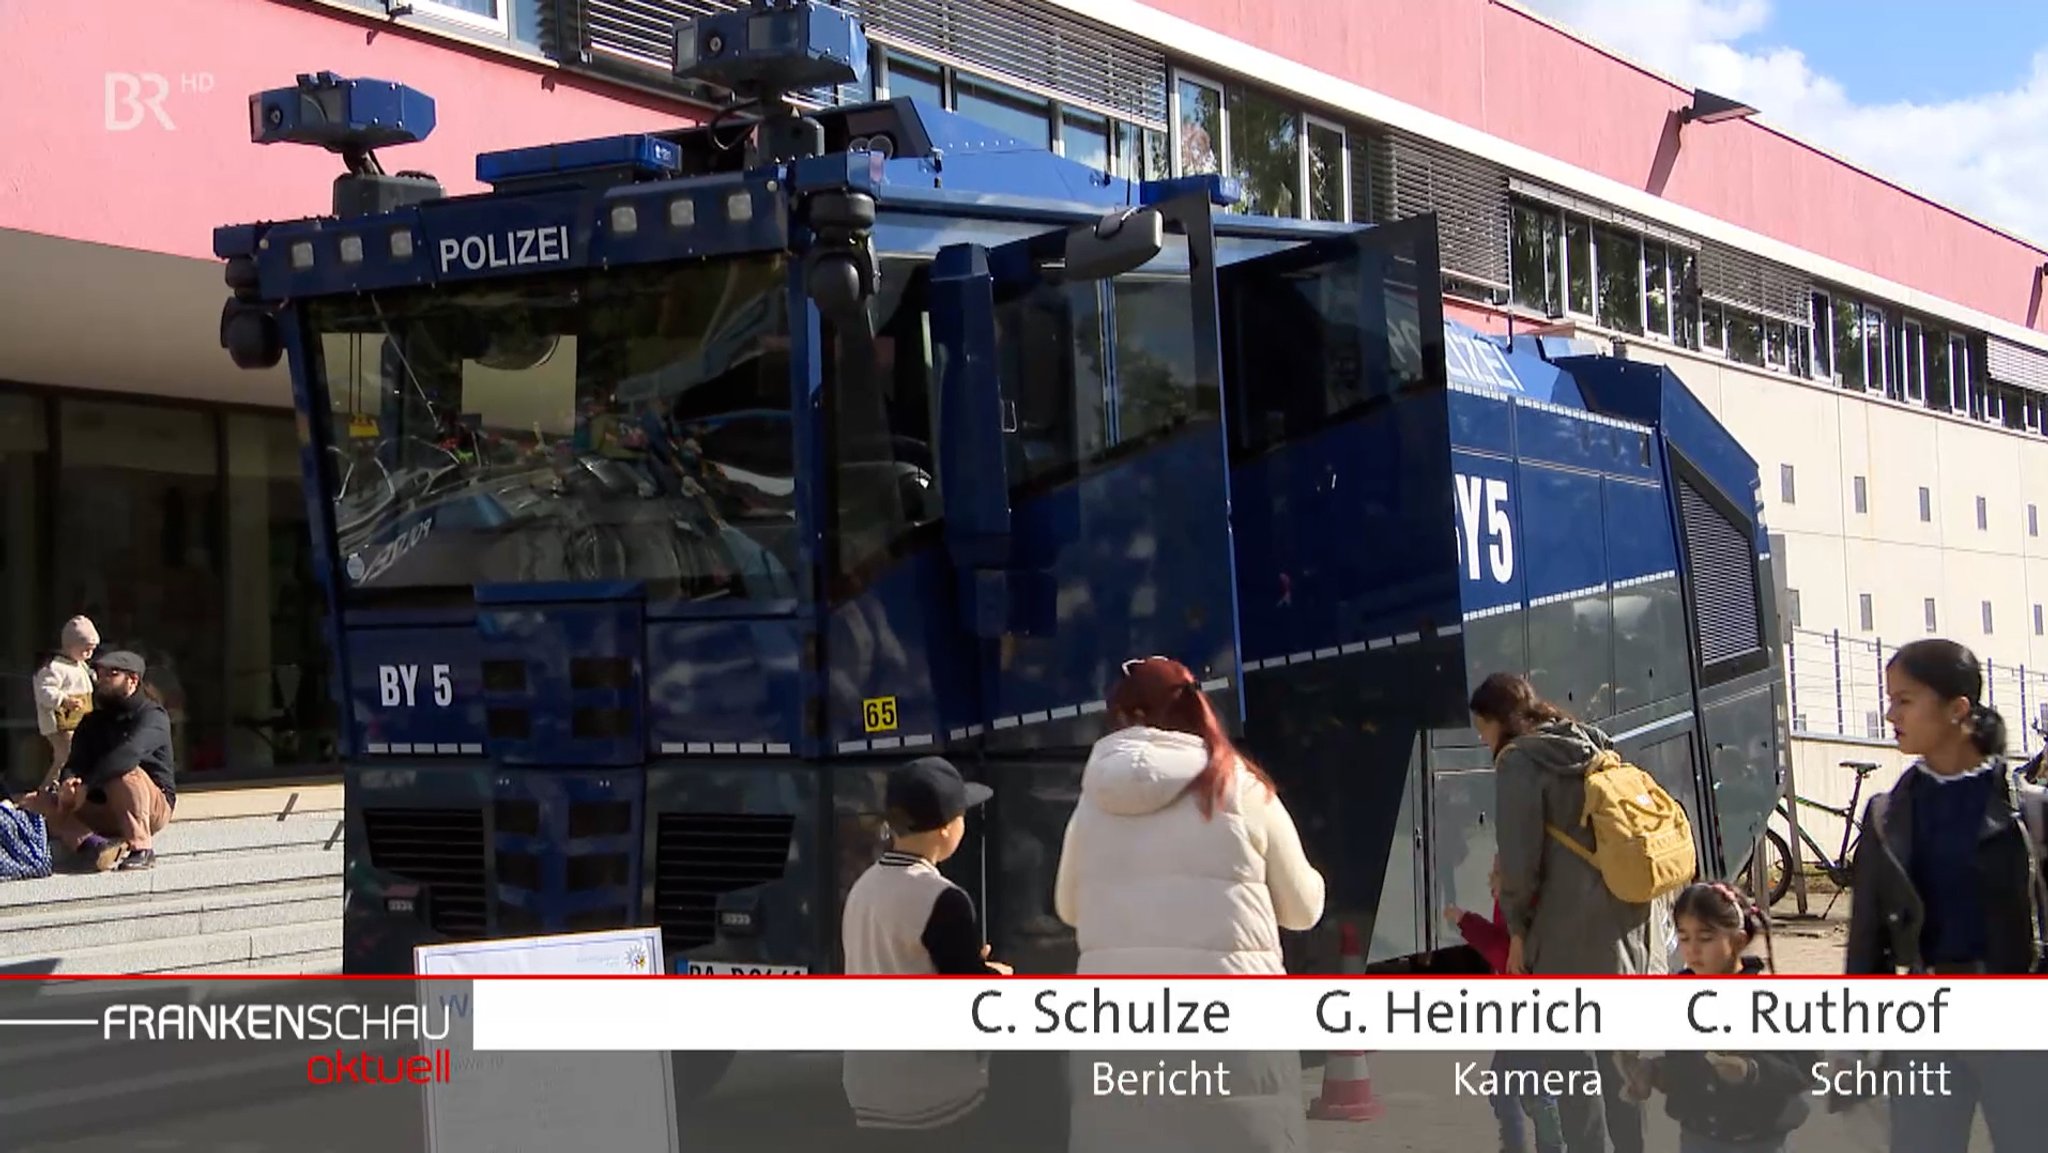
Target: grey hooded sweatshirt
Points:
x,y
1570,924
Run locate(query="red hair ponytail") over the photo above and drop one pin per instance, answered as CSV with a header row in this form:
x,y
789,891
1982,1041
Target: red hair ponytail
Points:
x,y
1162,693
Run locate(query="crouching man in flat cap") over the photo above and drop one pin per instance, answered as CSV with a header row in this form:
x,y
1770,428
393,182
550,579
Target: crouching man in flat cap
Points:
x,y
118,785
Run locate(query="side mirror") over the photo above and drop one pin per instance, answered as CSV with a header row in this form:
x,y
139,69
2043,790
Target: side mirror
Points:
x,y
1118,243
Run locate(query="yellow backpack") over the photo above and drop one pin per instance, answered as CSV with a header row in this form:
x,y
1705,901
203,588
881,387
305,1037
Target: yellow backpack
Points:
x,y
1642,841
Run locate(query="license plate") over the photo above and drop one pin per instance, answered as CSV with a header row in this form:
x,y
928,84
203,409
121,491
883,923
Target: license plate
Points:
x,y
742,969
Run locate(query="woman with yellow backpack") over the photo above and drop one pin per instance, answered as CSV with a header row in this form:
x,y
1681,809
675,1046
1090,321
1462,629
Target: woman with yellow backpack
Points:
x,y
1587,844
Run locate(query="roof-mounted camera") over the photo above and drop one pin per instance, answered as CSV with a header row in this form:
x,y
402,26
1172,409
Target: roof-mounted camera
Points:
x,y
763,54
353,118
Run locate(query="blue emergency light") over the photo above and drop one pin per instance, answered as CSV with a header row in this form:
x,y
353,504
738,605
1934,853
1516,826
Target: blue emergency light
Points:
x,y
640,155
339,114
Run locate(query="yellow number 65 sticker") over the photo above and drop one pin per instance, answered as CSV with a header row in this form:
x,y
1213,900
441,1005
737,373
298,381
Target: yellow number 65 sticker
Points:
x,y
878,714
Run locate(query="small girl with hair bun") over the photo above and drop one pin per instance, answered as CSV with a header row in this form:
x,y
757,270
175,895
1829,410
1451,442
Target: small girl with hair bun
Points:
x,y
1724,1102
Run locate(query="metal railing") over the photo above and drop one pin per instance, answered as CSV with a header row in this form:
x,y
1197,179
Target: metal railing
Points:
x,y
1835,684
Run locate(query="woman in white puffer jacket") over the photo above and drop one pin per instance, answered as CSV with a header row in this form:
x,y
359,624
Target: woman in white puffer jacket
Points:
x,y
1180,860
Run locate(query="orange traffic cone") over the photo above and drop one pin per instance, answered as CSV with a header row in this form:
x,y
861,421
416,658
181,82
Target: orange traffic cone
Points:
x,y
1350,955
1347,1082
1347,1091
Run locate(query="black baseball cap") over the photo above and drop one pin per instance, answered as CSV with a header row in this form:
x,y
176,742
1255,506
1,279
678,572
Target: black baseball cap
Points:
x,y
120,661
928,793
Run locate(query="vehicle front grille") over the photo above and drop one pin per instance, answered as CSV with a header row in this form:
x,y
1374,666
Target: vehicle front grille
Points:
x,y
440,849
699,856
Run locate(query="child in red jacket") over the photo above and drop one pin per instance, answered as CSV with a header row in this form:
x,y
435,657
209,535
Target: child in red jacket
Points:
x,y
1490,938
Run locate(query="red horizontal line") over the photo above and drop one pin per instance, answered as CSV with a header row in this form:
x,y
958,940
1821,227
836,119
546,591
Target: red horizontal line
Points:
x,y
1079,977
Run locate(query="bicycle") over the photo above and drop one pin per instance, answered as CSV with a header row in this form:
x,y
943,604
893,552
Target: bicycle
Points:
x,y
1838,868
2035,772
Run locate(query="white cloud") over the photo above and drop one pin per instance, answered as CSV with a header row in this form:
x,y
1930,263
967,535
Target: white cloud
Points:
x,y
1986,155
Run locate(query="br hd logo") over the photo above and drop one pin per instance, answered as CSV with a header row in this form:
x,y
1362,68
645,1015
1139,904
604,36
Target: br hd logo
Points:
x,y
136,98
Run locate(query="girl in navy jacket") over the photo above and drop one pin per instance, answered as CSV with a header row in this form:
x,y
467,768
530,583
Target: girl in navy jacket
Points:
x,y
1724,1102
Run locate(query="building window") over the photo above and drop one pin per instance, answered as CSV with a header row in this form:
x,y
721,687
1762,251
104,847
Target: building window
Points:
x,y
1961,398
1005,109
1142,153
1713,328
29,619
1578,264
1823,337
201,569
1745,337
1618,260
1862,493
1265,153
1987,618
1983,515
1866,612
1912,354
1792,612
1927,609
2037,620
1786,491
2033,520
1198,127
1329,171
1534,259
486,14
1288,163
1656,289
1084,139
1926,505
904,76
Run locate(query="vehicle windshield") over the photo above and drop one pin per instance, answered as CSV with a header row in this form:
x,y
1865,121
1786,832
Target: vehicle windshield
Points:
x,y
626,424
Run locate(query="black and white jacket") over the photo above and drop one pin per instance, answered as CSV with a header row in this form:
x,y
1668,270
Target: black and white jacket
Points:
x,y
904,917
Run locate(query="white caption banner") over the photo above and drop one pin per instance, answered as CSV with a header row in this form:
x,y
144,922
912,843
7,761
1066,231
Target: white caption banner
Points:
x,y
762,1014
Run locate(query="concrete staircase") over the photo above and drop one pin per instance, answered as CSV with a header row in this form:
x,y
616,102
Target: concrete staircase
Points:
x,y
246,881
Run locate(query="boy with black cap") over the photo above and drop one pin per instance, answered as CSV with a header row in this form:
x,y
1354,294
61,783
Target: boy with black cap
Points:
x,y
904,917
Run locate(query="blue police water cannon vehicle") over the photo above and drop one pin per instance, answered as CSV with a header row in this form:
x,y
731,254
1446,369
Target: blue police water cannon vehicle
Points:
x,y
671,491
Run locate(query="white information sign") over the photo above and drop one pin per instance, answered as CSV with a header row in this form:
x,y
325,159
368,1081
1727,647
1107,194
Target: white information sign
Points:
x,y
501,1102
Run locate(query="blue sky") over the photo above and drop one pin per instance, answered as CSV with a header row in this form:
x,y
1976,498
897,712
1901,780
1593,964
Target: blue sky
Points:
x,y
1884,50
1947,97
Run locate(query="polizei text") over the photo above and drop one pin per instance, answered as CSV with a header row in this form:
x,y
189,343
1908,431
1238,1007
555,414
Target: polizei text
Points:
x,y
512,248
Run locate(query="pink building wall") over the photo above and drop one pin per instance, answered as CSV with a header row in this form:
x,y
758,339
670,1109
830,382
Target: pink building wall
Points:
x,y
1497,70
65,172
164,187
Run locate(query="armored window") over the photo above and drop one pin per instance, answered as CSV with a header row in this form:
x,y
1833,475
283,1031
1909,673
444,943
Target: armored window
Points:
x,y
1722,557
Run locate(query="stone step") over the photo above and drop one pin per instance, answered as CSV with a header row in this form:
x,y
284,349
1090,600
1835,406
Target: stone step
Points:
x,y
209,802
240,951
313,828
171,875
60,929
